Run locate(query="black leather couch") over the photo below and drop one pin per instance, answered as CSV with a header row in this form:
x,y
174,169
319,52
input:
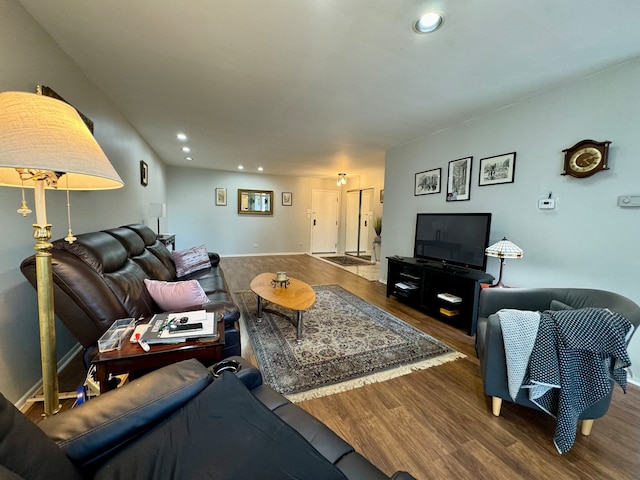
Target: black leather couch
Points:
x,y
180,422
100,278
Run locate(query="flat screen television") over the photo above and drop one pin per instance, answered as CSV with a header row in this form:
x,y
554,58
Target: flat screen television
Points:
x,y
457,239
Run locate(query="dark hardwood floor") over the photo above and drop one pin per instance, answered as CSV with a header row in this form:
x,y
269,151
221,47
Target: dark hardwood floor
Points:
x,y
437,423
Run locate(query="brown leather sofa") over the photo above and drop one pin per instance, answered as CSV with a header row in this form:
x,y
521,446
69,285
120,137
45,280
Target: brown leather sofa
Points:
x,y
100,278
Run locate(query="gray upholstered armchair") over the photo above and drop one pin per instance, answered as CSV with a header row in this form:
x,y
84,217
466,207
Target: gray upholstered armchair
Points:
x,y
490,346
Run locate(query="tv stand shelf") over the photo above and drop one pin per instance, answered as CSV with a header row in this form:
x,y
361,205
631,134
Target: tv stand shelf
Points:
x,y
418,283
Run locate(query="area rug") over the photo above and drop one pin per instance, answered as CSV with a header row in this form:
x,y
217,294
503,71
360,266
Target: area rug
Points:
x,y
347,261
347,343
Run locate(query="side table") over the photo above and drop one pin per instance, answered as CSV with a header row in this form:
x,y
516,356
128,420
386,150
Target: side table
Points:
x,y
167,239
131,358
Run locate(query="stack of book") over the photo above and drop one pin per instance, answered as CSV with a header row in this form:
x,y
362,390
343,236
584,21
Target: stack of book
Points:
x,y
179,327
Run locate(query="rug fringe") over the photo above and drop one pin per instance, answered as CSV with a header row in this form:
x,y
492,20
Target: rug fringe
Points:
x,y
373,378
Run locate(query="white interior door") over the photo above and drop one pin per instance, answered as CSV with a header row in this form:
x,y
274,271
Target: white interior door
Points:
x,y
352,220
324,221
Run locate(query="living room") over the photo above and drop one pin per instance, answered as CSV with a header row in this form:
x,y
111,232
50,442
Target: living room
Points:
x,y
586,241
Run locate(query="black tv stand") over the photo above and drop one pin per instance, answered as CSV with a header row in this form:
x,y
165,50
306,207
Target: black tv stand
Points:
x,y
422,284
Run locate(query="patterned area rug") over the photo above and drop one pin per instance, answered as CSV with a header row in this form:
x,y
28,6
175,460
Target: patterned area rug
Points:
x,y
347,261
347,343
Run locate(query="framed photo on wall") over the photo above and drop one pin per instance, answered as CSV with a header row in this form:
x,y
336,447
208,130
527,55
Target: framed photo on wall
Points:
x,y
498,169
459,180
427,182
144,173
221,196
287,199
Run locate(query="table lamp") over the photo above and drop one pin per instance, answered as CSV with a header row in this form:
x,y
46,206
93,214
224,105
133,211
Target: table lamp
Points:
x,y
45,144
503,249
158,211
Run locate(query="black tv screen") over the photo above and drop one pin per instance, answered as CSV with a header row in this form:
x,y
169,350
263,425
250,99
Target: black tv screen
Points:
x,y
453,238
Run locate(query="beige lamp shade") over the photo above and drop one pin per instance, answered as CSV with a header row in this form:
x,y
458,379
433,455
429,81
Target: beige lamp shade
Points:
x,y
504,249
41,133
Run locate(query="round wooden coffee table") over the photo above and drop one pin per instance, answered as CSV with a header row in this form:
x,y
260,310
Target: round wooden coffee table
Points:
x,y
297,296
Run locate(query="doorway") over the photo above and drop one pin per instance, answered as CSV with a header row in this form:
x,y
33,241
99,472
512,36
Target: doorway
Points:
x,y
358,222
324,221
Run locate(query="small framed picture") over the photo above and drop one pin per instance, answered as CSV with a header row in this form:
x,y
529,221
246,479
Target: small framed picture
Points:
x,y
459,180
498,169
382,196
287,199
427,182
144,173
221,196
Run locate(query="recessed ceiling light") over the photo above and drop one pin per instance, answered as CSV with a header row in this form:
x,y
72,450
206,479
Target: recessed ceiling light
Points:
x,y
240,167
260,169
188,158
429,22
182,137
186,149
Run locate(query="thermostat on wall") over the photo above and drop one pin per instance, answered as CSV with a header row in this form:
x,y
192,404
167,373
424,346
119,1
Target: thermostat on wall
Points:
x,y
629,201
547,203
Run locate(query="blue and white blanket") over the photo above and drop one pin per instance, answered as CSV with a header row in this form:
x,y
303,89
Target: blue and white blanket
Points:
x,y
575,355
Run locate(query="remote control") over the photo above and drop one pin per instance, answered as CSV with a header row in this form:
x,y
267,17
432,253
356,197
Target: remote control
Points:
x,y
188,326
145,346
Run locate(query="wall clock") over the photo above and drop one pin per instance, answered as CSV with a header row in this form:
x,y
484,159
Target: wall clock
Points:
x,y
586,158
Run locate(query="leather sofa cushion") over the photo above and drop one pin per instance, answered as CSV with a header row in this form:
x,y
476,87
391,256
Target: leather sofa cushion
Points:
x,y
101,425
225,432
27,452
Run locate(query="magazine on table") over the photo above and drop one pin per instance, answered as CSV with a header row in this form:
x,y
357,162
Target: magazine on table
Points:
x,y
180,327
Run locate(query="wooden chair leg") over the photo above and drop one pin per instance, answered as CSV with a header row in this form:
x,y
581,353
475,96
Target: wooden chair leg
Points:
x,y
496,405
586,427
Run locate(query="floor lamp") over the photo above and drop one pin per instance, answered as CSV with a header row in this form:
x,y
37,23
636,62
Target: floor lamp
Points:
x,y
45,144
503,249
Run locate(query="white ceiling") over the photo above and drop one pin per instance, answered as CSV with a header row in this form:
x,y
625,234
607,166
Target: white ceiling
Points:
x,y
313,87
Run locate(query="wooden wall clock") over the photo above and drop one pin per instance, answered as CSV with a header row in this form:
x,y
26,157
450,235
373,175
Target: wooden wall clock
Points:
x,y
586,158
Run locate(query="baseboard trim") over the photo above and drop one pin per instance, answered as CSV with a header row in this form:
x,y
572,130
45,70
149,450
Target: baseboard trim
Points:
x,y
63,362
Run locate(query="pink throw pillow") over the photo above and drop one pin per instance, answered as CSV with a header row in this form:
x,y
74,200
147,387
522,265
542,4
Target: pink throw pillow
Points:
x,y
176,295
191,260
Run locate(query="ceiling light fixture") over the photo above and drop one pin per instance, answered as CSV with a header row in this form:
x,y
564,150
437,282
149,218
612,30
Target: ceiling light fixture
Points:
x,y
260,169
342,179
240,167
186,149
181,136
188,158
429,22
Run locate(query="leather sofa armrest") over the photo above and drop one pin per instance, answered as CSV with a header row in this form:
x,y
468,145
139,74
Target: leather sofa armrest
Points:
x,y
113,419
402,476
249,375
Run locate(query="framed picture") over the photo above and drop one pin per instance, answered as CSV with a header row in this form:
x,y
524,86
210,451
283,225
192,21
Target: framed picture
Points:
x,y
459,180
382,196
144,173
427,182
49,92
498,169
287,199
221,196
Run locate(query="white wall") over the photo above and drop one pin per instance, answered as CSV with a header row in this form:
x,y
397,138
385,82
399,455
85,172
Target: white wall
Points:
x,y
587,241
29,57
195,219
